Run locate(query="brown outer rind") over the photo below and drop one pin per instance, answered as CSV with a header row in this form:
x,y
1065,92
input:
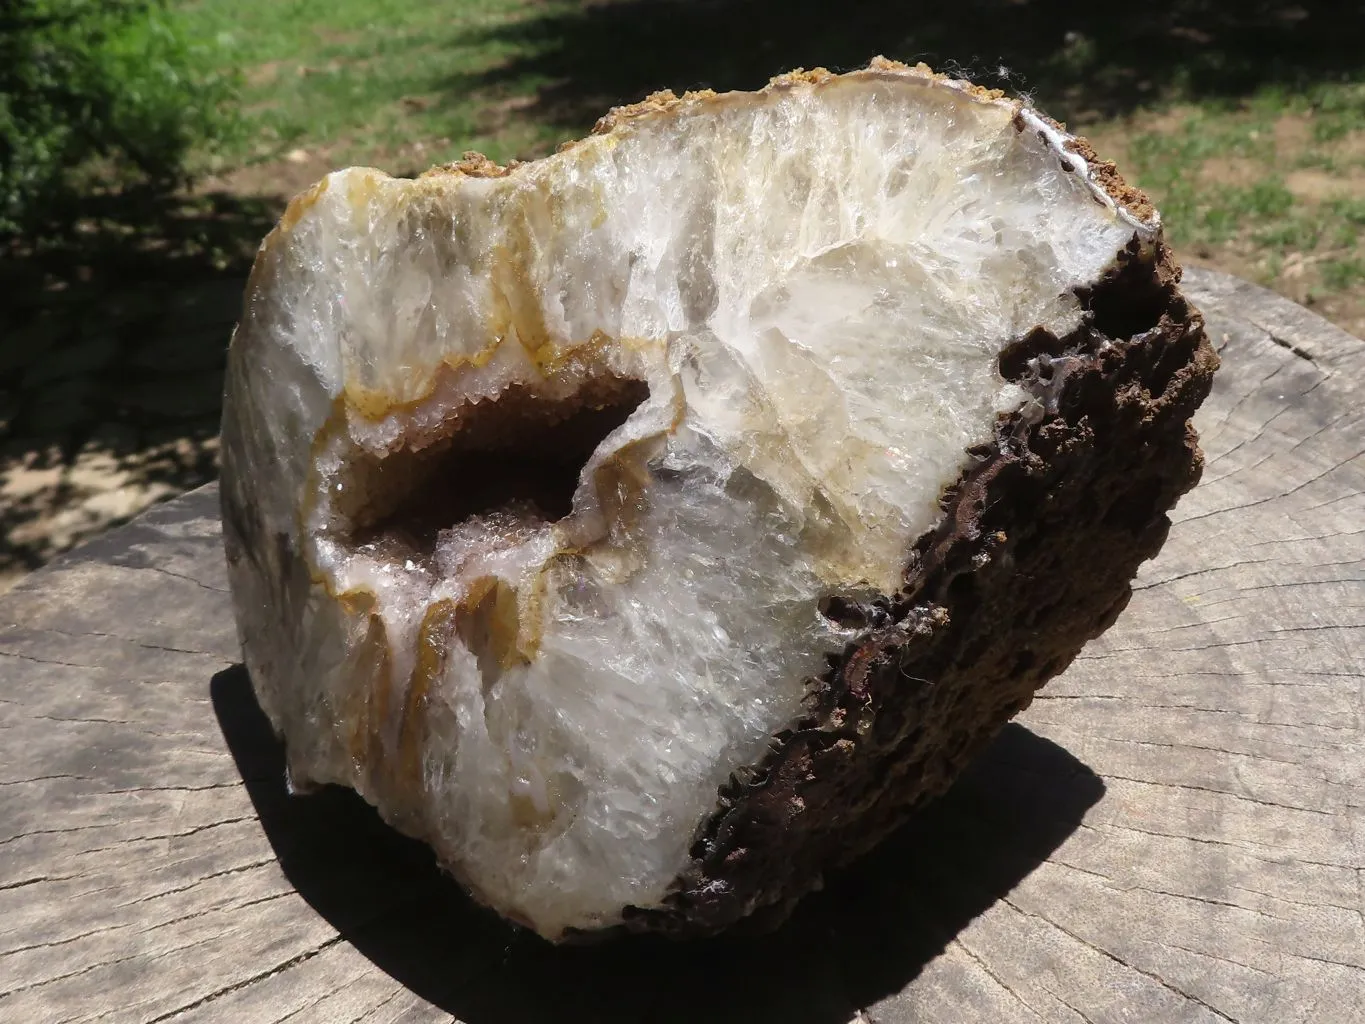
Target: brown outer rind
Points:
x,y
1033,557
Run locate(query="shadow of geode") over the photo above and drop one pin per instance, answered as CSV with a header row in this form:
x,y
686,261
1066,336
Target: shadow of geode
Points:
x,y
871,931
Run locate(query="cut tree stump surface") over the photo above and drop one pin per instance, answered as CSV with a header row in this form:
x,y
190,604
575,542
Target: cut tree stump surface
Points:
x,y
1174,831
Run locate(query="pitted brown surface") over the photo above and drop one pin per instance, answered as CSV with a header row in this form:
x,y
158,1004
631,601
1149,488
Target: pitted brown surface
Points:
x,y
474,165
1107,176
1033,557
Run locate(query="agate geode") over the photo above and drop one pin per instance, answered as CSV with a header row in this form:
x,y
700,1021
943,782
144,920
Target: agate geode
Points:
x,y
649,527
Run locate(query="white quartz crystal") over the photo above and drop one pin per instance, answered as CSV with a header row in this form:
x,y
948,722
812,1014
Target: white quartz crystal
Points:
x,y
805,289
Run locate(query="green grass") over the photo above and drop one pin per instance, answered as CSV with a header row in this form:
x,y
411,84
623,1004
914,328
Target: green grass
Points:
x,y
1270,183
366,79
1196,121
1344,273
1199,207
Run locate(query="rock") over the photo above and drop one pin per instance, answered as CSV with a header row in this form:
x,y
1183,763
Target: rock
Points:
x,y
1171,831
648,528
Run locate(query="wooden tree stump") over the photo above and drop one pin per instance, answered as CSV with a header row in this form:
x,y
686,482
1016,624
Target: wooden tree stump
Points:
x,y
1175,831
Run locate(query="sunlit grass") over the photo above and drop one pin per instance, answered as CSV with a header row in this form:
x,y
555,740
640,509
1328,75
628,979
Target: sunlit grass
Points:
x,y
1269,184
366,79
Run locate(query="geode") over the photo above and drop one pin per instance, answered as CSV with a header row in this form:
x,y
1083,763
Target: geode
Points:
x,y
651,527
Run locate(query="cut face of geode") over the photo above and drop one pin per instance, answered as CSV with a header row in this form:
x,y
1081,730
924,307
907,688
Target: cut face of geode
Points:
x,y
647,527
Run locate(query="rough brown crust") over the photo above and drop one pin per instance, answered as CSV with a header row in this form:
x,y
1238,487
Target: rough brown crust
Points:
x,y
474,165
922,69
1032,558
1106,175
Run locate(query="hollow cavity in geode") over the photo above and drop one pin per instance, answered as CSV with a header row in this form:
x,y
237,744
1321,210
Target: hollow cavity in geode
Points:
x,y
563,502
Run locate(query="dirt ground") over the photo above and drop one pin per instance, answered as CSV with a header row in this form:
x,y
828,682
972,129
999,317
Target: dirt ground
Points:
x,y
1297,273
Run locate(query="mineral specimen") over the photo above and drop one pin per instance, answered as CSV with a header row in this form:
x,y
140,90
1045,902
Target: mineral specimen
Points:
x,y
651,526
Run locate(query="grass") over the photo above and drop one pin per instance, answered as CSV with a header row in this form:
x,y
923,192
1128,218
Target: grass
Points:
x,y
364,82
1248,129
1271,187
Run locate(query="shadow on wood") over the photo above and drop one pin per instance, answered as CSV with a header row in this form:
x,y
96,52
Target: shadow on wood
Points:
x,y
869,933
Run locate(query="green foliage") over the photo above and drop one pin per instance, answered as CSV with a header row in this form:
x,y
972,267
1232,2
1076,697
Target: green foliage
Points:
x,y
362,80
99,90
1339,109
1341,274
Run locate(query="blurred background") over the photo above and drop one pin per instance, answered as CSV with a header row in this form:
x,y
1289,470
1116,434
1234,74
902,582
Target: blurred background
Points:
x,y
146,146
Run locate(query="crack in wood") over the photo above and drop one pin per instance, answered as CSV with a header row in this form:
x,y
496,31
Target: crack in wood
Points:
x,y
1220,792
56,831
36,880
1289,585
252,980
1266,426
79,721
64,977
49,661
1238,713
1273,497
233,784
129,840
1257,850
1325,960
379,1006
1174,989
1300,903
66,941
238,869
1067,1003
1213,956
144,644
1203,570
44,778
175,575
1297,350
1256,756
960,944
333,993
1208,900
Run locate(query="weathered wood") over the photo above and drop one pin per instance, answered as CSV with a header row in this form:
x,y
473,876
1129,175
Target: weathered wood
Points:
x,y
1175,831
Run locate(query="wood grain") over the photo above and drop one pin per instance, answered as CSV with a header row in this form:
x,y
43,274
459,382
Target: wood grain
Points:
x,y
1175,831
